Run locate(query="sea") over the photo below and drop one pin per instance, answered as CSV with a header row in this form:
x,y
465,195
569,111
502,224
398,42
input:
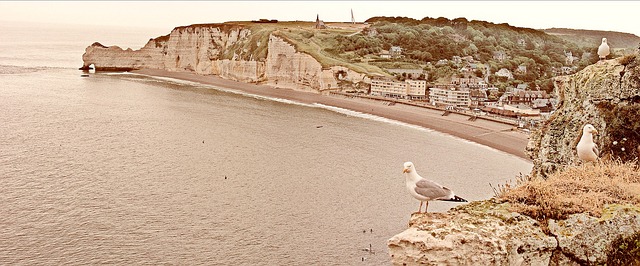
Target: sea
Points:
x,y
125,169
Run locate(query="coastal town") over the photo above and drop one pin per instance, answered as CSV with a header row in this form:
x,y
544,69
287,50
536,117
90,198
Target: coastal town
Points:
x,y
468,91
465,93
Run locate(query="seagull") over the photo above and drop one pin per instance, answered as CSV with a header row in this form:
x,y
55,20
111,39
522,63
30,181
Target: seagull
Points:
x,y
587,150
426,190
603,50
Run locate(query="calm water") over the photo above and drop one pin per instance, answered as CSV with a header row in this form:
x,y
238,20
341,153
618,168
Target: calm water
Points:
x,y
127,169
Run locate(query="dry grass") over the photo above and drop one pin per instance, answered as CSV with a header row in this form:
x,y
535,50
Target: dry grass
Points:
x,y
587,188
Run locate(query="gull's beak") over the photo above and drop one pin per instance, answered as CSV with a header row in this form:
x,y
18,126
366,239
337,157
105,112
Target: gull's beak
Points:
x,y
406,170
594,132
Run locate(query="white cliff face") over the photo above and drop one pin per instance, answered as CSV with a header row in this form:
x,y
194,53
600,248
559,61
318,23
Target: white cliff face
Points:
x,y
195,49
290,69
213,50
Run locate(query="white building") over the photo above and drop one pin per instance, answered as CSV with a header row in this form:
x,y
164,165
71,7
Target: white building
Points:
x,y
503,72
410,88
444,95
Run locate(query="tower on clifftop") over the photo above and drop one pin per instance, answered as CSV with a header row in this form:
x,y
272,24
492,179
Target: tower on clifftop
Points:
x,y
353,20
319,23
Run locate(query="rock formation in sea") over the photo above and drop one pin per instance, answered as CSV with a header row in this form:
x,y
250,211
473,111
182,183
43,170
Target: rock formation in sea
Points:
x,y
230,51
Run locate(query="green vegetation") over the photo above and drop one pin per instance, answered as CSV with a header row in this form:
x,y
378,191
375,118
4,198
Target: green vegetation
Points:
x,y
625,251
592,38
425,44
319,43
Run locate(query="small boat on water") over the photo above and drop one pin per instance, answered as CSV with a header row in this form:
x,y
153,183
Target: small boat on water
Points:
x,y
84,75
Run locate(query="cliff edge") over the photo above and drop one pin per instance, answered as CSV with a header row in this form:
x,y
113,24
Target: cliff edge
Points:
x,y
565,212
606,95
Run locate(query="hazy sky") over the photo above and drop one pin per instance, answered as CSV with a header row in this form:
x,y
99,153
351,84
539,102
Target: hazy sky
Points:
x,y
595,15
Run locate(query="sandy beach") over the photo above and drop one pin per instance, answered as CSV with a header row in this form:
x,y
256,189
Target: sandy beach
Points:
x,y
492,134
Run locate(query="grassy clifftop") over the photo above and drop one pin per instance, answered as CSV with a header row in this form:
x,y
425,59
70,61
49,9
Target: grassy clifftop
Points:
x,y
301,34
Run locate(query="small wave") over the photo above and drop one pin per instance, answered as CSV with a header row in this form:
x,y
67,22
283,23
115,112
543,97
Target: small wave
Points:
x,y
372,117
396,122
5,69
208,86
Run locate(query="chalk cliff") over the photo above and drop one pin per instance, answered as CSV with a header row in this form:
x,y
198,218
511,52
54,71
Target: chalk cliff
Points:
x,y
229,51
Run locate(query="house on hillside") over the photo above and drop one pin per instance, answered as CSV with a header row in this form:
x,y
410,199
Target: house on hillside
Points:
x,y
384,54
503,72
395,51
522,69
565,70
409,73
469,59
522,87
442,62
519,96
469,82
456,59
500,55
477,97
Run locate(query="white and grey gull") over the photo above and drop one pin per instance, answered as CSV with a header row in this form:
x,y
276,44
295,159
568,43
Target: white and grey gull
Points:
x,y
586,148
603,50
426,190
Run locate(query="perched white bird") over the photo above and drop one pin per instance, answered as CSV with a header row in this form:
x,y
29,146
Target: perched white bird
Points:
x,y
587,150
603,50
425,190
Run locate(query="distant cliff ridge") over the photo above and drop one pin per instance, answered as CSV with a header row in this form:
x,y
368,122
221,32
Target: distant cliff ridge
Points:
x,y
231,51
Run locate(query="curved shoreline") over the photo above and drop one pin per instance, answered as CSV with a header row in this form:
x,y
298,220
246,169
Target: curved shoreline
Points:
x,y
496,135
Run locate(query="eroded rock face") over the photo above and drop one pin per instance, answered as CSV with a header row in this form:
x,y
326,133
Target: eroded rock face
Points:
x,y
487,233
480,233
217,50
198,49
606,95
587,240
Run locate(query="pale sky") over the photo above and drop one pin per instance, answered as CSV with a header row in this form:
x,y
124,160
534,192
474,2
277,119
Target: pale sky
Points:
x,y
619,16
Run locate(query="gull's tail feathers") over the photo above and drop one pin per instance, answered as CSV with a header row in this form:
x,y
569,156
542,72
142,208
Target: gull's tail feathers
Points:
x,y
456,199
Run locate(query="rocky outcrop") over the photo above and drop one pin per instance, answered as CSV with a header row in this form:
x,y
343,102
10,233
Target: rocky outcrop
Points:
x,y
487,233
606,95
229,51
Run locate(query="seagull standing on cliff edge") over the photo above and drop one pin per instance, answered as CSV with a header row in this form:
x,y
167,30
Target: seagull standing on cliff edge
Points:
x,y
587,150
425,190
603,50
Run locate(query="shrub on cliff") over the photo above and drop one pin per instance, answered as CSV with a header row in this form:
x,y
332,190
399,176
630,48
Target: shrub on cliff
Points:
x,y
587,188
625,251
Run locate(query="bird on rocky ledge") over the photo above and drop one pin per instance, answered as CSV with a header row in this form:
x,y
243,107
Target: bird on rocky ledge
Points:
x,y
603,50
587,150
425,190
